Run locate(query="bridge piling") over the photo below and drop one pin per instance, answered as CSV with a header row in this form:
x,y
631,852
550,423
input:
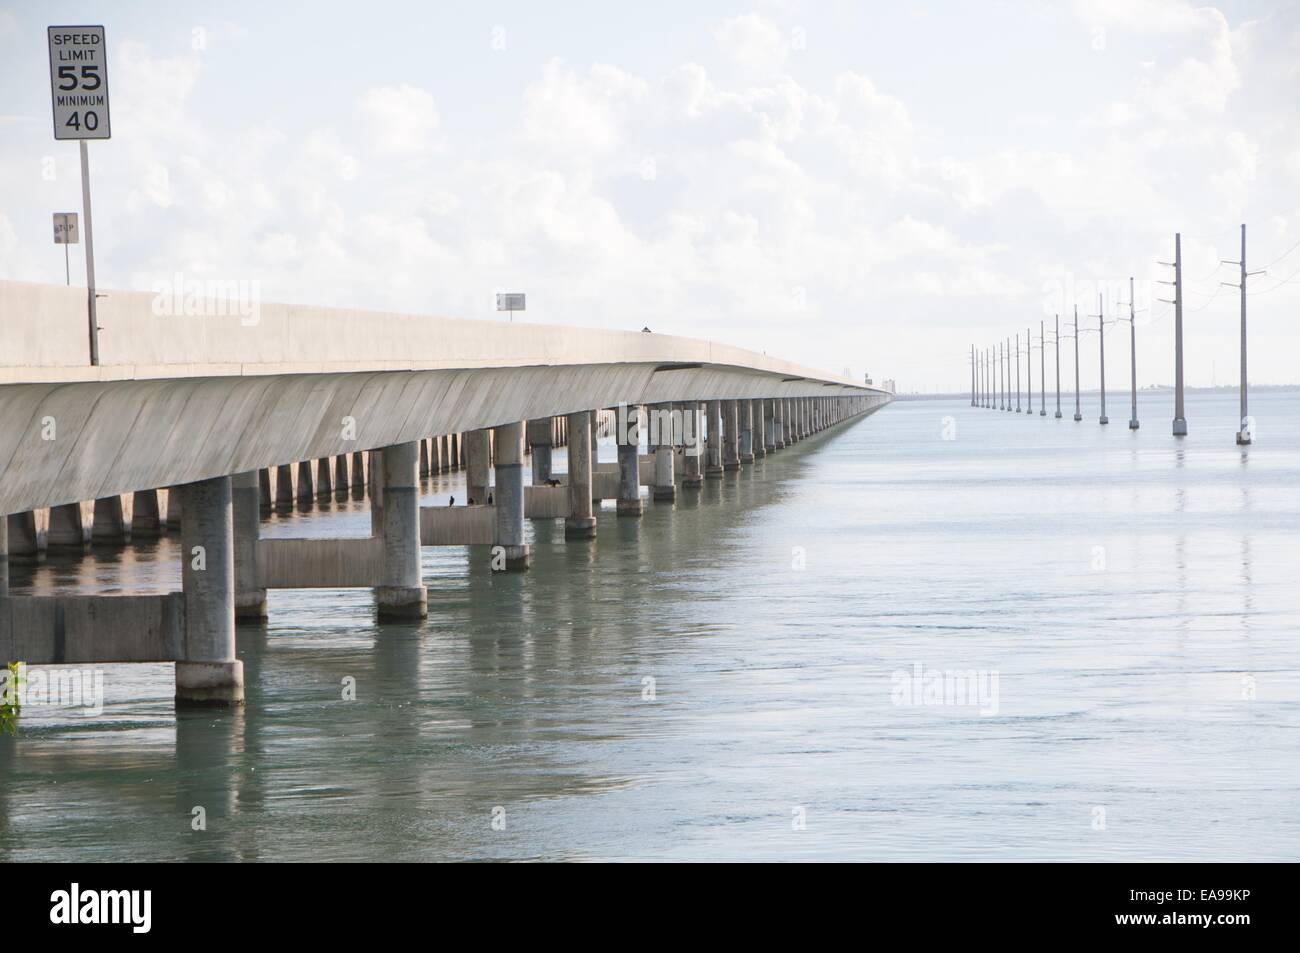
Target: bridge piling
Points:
x,y
713,442
476,466
145,521
207,671
629,464
664,488
401,595
541,437
580,523
509,497
250,598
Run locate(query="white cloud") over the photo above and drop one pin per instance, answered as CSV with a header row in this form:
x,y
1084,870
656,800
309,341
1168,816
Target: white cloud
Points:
x,y
753,43
399,120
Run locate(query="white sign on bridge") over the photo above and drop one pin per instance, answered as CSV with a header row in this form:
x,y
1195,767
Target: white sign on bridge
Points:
x,y
79,82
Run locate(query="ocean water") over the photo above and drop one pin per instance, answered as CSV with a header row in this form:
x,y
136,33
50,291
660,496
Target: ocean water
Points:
x,y
1115,616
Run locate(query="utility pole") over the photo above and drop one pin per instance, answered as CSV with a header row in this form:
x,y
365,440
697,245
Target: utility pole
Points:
x,y
1133,356
1042,369
1006,373
1001,375
997,376
1245,432
1077,415
1018,374
1101,338
1058,366
1180,416
1029,371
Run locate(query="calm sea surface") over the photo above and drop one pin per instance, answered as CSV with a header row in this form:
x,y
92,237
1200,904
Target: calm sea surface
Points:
x,y
1132,598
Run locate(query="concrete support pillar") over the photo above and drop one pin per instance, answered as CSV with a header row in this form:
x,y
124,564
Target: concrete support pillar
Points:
x,y
283,486
509,499
108,525
324,477
265,499
173,520
665,485
340,475
401,594
746,442
208,673
358,470
375,490
453,441
437,459
541,436
4,558
580,523
778,424
730,435
477,452
629,463
757,433
23,543
250,601
713,444
424,458
146,521
306,491
693,436
66,531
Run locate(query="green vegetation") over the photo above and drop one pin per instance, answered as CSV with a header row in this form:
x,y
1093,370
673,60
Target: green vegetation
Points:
x,y
10,682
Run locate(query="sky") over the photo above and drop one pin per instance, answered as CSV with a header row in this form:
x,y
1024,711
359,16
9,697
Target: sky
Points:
x,y
863,187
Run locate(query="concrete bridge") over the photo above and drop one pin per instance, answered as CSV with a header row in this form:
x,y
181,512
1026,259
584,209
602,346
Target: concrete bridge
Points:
x,y
203,422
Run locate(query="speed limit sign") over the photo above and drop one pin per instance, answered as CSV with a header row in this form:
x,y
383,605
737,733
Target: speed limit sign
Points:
x,y
79,82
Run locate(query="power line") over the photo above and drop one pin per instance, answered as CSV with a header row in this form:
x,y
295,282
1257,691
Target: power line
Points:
x,y
1284,281
1281,256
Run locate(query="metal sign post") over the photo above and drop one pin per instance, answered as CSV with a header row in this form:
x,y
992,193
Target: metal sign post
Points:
x,y
511,302
79,97
65,234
